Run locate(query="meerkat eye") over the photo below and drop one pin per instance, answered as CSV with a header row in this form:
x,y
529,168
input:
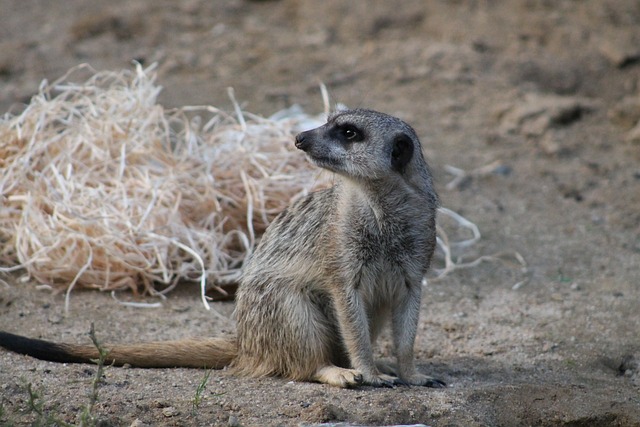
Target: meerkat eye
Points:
x,y
352,133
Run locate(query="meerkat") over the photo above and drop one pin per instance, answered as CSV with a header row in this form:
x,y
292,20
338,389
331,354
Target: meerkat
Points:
x,y
326,276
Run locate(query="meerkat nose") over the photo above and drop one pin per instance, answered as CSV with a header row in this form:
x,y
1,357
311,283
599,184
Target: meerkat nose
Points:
x,y
302,142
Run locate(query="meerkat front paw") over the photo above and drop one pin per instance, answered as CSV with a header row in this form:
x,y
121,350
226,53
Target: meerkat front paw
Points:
x,y
425,381
339,377
382,380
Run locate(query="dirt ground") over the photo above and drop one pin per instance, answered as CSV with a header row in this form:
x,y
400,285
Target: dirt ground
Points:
x,y
549,90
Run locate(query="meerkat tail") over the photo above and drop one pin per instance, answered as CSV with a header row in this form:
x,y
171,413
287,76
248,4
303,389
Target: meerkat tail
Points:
x,y
213,353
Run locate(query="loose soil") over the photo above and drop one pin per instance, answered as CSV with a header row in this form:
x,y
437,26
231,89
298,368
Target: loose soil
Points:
x,y
549,90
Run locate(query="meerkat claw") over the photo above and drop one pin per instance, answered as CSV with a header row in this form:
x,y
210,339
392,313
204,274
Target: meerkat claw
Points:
x,y
435,383
401,382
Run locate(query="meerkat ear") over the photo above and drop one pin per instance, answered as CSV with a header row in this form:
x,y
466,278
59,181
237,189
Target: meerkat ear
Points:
x,y
401,152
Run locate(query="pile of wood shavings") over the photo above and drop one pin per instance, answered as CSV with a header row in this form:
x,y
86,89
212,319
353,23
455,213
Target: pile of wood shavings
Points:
x,y
101,187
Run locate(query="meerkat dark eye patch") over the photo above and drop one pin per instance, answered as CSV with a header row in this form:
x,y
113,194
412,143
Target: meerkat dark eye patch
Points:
x,y
349,133
401,152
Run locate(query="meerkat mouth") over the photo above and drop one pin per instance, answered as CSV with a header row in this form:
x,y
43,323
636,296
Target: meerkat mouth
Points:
x,y
324,163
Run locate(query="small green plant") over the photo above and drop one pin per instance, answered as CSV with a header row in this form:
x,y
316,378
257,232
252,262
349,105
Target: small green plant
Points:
x,y
562,278
571,363
197,399
199,395
3,413
86,416
36,403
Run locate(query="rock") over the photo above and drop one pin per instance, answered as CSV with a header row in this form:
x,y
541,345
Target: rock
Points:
x,y
626,113
170,412
55,318
547,72
10,58
536,113
123,27
629,365
322,413
233,421
621,49
633,136
550,145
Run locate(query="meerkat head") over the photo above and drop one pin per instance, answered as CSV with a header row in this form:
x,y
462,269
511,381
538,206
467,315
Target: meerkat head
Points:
x,y
365,145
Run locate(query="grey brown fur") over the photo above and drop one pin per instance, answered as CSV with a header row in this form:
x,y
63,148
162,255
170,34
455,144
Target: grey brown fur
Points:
x,y
332,268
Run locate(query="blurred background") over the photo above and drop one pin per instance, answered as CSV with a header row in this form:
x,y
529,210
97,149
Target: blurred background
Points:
x,y
534,103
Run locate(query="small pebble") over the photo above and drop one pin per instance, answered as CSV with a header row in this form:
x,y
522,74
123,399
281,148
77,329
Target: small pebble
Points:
x,y
169,412
233,421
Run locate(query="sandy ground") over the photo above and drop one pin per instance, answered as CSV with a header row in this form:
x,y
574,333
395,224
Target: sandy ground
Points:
x,y
550,90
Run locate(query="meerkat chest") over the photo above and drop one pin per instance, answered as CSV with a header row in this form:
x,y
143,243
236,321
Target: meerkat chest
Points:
x,y
385,252
392,235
